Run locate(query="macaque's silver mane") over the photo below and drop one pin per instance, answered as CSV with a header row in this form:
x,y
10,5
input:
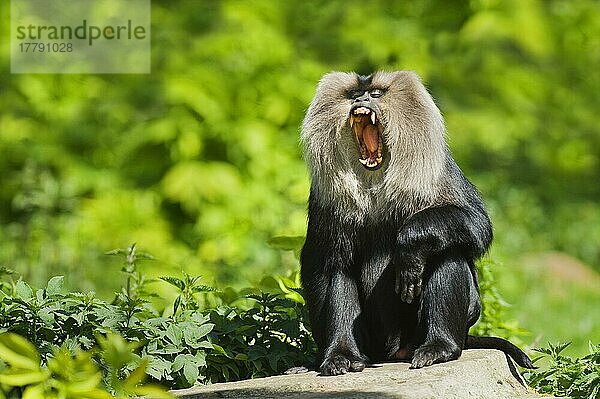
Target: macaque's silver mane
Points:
x,y
413,137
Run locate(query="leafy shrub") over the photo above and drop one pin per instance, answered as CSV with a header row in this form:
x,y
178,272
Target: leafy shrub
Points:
x,y
182,345
493,320
565,376
70,376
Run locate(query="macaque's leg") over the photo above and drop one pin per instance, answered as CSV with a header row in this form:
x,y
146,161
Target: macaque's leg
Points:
x,y
444,315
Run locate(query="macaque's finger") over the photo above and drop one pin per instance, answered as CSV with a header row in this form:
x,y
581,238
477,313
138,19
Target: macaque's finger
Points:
x,y
418,288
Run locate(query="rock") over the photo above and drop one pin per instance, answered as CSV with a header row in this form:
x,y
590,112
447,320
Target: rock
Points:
x,y
477,374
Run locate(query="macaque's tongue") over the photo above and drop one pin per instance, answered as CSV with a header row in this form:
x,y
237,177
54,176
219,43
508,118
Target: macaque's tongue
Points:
x,y
371,138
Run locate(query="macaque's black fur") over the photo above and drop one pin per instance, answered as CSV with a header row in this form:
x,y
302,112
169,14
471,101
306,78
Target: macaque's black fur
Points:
x,y
397,280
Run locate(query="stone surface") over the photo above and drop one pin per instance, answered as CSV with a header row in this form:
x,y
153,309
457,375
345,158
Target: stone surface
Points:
x,y
477,374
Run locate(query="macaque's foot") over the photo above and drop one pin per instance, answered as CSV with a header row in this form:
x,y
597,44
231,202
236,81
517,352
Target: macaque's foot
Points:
x,y
434,352
340,364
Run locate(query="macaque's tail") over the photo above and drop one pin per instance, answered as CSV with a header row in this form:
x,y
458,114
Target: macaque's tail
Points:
x,y
501,344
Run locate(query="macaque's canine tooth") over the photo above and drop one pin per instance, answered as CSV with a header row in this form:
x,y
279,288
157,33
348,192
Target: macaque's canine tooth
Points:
x,y
363,161
373,117
351,120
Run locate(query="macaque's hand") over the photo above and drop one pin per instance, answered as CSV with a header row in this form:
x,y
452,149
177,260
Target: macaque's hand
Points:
x,y
409,277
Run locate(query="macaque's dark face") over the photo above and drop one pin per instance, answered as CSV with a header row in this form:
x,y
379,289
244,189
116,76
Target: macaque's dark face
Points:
x,y
365,121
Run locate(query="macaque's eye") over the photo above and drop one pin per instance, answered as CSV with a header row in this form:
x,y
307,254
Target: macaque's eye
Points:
x,y
376,93
354,94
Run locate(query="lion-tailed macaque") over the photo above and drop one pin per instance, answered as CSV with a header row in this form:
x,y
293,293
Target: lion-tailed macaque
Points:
x,y
394,228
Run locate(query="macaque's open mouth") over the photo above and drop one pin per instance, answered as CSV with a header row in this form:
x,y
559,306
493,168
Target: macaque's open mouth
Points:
x,y
367,130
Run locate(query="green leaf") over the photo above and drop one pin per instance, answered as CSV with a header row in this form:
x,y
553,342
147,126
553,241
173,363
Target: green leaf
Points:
x,y
176,304
203,330
153,391
174,281
200,359
178,363
88,384
158,368
19,378
47,315
174,334
55,285
267,283
191,372
116,351
93,394
138,375
190,335
23,290
220,350
5,271
204,288
190,365
288,243
204,344
117,251
19,352
35,392
144,256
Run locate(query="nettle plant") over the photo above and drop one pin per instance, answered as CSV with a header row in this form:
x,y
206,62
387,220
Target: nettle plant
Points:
x,y
567,376
179,346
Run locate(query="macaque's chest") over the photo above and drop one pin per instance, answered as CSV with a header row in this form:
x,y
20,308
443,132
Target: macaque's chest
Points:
x,y
374,257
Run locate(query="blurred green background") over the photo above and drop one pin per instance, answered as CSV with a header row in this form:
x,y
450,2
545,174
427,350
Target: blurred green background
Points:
x,y
199,161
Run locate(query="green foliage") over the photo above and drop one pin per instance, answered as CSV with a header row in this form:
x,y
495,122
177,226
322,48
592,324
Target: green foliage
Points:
x,y
493,320
554,297
88,348
290,243
178,347
566,376
188,287
68,375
